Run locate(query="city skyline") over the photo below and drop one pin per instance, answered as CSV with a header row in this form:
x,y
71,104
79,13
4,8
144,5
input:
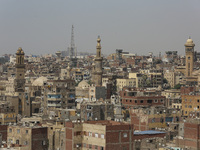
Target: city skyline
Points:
x,y
137,27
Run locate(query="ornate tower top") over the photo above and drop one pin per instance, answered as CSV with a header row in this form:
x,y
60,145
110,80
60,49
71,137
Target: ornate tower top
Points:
x,y
20,51
98,54
189,43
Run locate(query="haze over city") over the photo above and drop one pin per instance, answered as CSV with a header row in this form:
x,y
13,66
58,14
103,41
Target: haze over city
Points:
x,y
42,27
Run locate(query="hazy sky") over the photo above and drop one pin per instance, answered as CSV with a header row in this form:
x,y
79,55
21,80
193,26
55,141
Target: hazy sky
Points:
x,y
44,26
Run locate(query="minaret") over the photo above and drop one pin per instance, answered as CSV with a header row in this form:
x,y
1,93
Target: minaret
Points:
x,y
97,80
20,71
189,53
68,71
24,104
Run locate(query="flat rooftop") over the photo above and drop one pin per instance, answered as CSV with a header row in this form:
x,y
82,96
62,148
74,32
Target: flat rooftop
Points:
x,y
106,122
147,132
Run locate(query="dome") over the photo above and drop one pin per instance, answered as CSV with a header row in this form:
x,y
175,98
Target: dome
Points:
x,y
189,40
98,40
39,81
83,84
20,51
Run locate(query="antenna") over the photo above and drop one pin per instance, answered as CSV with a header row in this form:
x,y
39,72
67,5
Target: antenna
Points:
x,y
72,48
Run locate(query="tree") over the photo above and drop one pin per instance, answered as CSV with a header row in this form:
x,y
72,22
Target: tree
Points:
x,y
177,86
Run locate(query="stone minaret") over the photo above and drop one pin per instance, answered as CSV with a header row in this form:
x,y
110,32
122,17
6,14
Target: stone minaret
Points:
x,y
20,71
97,80
24,100
189,54
68,71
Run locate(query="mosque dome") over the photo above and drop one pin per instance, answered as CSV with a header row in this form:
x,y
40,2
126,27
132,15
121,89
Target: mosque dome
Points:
x,y
189,40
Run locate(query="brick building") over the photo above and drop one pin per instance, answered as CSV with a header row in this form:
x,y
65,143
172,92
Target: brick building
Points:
x,y
100,135
191,137
131,97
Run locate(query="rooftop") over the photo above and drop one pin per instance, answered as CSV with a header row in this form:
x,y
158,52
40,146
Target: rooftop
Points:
x,y
147,132
106,122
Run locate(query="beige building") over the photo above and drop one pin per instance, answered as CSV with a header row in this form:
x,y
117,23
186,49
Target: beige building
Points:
x,y
137,77
125,83
173,78
34,137
190,103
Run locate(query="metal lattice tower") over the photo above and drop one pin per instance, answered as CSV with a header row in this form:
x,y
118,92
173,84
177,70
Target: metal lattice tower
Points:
x,y
72,48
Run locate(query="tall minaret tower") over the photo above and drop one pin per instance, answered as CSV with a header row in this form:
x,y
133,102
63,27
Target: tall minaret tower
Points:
x,y
97,80
68,71
20,71
24,103
189,54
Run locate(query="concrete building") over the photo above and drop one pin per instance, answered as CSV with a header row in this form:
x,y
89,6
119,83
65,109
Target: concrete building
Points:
x,y
138,78
190,103
96,111
131,82
97,92
154,118
7,114
60,94
34,137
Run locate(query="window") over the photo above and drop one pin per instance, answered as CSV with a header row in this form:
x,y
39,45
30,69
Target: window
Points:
x,y
10,130
155,101
198,100
125,135
96,135
25,142
96,147
102,148
43,142
185,106
84,145
135,101
90,133
141,101
17,141
90,146
102,136
26,131
18,130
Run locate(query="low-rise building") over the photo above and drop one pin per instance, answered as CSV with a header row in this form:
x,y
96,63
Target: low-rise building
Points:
x,y
101,135
34,137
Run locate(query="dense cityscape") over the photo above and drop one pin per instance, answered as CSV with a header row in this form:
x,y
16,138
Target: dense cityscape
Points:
x,y
99,75
123,101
